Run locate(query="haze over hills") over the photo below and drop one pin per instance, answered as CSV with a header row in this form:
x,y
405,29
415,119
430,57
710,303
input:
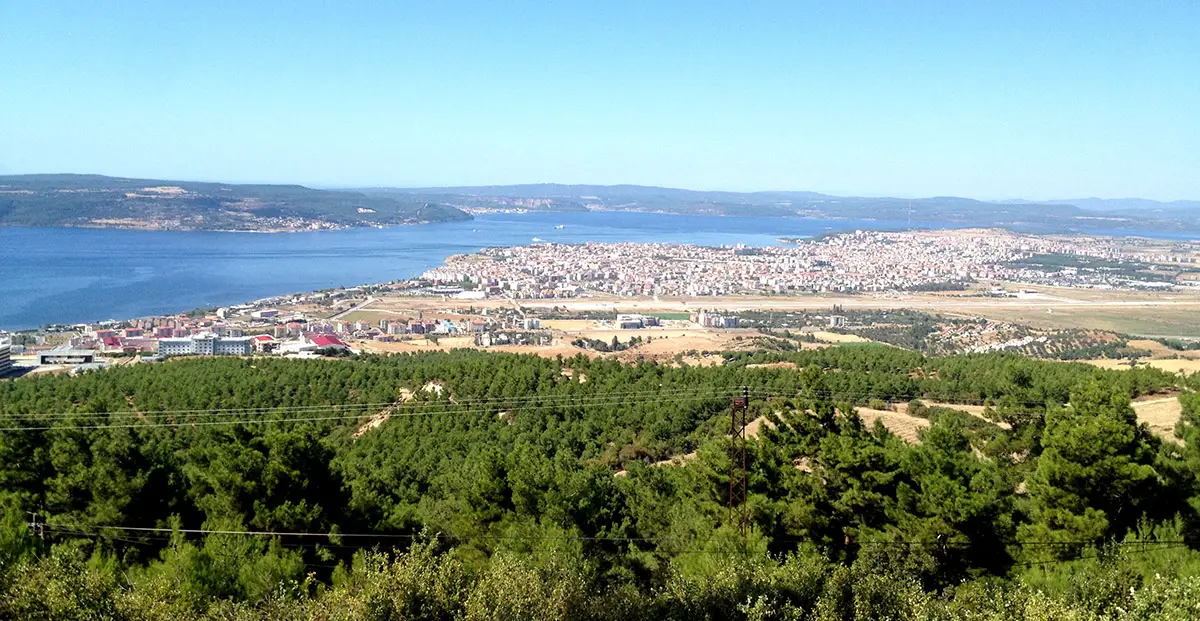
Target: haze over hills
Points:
x,y
1057,215
117,202
1130,204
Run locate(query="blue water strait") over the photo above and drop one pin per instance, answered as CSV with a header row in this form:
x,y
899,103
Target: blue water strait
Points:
x,y
66,275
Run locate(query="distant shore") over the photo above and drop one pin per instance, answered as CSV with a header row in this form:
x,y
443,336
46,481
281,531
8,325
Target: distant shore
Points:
x,y
150,226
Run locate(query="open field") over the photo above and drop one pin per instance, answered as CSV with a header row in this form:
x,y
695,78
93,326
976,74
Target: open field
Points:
x,y
1160,414
834,337
571,324
1158,350
1187,367
371,315
1173,314
1174,320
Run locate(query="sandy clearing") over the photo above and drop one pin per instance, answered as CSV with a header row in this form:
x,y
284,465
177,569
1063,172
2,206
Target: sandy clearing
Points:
x,y
834,337
372,423
404,395
569,325
755,427
1160,414
675,460
902,425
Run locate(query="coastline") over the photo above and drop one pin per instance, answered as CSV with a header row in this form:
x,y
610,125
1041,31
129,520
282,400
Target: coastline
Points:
x,y
97,273
175,229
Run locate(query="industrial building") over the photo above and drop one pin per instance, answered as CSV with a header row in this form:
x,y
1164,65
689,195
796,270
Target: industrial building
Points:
x,y
713,320
206,344
633,322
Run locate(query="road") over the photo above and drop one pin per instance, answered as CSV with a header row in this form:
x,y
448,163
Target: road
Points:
x,y
362,306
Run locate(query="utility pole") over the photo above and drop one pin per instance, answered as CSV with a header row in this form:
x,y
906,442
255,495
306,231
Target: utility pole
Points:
x,y
738,513
37,527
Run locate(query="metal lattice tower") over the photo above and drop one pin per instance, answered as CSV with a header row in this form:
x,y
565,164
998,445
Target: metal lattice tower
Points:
x,y
739,515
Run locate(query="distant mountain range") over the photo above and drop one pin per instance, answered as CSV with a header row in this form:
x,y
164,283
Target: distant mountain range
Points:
x,y
99,201
1057,215
114,202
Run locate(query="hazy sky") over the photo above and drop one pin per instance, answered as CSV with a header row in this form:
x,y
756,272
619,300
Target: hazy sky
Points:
x,y
985,99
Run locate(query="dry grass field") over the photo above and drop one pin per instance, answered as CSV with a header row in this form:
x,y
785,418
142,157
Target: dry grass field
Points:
x,y
905,427
1158,350
834,337
1160,414
1184,366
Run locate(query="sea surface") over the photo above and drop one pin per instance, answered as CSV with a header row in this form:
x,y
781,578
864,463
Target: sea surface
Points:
x,y
69,275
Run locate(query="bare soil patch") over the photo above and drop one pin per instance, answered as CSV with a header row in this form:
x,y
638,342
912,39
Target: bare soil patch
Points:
x,y
904,426
1159,414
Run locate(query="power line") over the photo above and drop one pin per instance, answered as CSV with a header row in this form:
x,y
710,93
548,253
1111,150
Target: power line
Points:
x,y
502,401
447,411
157,533
515,402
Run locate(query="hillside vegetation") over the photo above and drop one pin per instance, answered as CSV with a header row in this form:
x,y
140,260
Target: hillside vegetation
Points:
x,y
94,200
469,485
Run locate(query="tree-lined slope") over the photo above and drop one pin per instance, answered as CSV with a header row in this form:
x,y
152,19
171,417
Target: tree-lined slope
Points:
x,y
521,487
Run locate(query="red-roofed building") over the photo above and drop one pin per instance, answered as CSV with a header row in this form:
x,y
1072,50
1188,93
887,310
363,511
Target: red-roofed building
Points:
x,y
328,342
263,342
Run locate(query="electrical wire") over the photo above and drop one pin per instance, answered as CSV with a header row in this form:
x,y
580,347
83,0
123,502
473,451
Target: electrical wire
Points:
x,y
345,416
1155,546
502,402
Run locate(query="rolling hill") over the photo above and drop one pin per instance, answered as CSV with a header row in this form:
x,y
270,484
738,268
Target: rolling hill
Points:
x,y
99,201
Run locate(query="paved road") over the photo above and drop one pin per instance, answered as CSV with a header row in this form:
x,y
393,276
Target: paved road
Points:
x,y
365,304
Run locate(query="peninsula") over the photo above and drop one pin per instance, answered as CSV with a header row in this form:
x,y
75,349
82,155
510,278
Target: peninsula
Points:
x,y
113,202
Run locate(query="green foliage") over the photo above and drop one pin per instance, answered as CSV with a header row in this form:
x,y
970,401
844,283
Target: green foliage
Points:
x,y
1095,474
550,490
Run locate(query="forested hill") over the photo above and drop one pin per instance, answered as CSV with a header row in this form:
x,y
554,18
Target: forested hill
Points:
x,y
470,485
98,201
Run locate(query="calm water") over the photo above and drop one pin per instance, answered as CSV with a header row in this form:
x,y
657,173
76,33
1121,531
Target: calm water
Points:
x,y
61,275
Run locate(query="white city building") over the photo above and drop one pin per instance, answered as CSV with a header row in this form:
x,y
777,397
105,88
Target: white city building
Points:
x,y
206,344
5,356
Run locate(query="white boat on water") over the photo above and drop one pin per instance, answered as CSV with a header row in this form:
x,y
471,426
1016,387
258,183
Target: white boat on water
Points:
x,y
538,239
561,226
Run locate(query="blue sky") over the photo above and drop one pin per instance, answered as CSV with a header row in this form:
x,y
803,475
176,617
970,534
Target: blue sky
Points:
x,y
984,99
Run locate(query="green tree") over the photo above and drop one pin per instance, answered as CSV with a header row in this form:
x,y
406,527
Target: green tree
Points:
x,y
1095,475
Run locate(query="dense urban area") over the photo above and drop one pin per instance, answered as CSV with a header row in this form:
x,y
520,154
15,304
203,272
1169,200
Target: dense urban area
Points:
x,y
862,261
